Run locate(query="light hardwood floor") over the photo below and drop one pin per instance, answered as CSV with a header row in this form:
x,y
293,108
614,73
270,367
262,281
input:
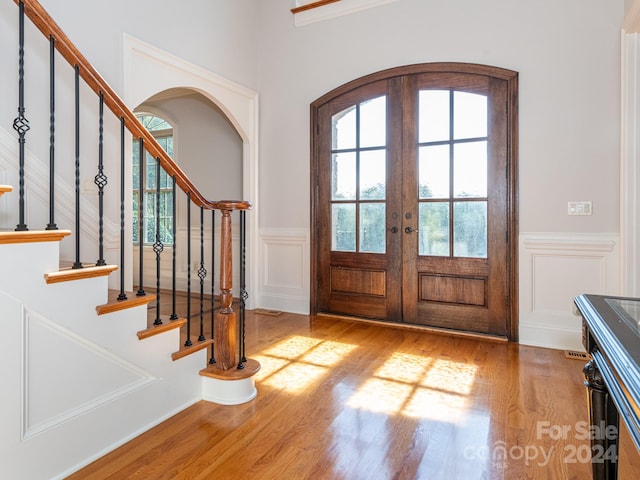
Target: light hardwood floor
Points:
x,y
340,399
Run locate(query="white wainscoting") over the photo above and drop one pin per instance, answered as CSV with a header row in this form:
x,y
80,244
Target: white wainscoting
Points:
x,y
554,269
284,270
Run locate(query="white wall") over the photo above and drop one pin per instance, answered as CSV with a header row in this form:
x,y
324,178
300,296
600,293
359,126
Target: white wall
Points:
x,y
568,57
206,145
216,35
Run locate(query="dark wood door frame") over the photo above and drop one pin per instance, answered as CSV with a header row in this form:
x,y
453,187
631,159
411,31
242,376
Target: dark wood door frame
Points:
x,y
511,79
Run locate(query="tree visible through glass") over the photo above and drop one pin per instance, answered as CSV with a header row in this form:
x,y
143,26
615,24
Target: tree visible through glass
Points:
x,y
452,175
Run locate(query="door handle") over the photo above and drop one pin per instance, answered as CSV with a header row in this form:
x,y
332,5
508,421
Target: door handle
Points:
x,y
410,230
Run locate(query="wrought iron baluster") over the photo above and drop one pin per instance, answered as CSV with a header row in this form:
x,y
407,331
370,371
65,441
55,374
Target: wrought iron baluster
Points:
x,y
21,124
101,181
141,227
122,295
52,128
174,315
243,286
212,360
202,273
188,343
158,247
77,263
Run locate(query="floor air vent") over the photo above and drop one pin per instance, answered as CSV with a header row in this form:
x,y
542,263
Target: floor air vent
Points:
x,y
577,355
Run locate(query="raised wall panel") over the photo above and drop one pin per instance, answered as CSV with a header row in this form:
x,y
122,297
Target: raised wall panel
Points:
x,y
60,387
554,269
284,270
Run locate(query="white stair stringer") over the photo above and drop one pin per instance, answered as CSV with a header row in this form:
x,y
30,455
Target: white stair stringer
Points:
x,y
76,385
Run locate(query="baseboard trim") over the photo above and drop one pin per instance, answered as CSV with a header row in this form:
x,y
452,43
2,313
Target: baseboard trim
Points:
x,y
410,326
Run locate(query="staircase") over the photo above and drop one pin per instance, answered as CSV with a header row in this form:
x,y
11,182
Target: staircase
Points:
x,y
85,365
77,384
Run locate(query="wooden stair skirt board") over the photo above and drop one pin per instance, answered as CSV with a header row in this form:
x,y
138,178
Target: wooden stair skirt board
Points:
x,y
230,387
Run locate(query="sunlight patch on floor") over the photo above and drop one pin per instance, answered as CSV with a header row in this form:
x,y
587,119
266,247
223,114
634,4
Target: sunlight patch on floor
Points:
x,y
297,362
292,347
412,385
451,376
436,405
328,353
402,367
419,387
295,377
381,396
269,365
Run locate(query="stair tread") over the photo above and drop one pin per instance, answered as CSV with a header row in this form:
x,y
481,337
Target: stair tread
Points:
x,y
251,367
197,345
69,274
113,304
29,236
164,327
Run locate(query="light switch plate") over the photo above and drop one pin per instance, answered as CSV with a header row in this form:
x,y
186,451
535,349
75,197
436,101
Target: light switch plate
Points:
x,y
579,208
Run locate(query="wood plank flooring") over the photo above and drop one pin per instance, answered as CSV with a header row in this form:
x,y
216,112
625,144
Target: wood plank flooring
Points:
x,y
340,399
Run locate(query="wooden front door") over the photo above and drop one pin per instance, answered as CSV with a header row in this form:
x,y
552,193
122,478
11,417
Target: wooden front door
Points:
x,y
413,198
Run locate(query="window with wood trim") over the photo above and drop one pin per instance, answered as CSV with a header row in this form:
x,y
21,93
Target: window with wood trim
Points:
x,y
163,133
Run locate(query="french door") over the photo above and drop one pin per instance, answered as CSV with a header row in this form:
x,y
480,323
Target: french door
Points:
x,y
414,198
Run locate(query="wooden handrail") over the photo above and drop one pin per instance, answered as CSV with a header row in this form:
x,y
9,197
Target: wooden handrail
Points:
x,y
312,5
49,28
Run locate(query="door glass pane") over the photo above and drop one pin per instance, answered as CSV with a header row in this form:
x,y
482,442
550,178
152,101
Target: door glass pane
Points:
x,y
373,175
343,176
470,229
343,125
343,227
433,234
373,122
469,115
433,115
470,169
433,172
372,227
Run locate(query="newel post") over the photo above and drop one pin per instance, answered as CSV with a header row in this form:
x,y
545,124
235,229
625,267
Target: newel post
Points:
x,y
231,379
225,333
